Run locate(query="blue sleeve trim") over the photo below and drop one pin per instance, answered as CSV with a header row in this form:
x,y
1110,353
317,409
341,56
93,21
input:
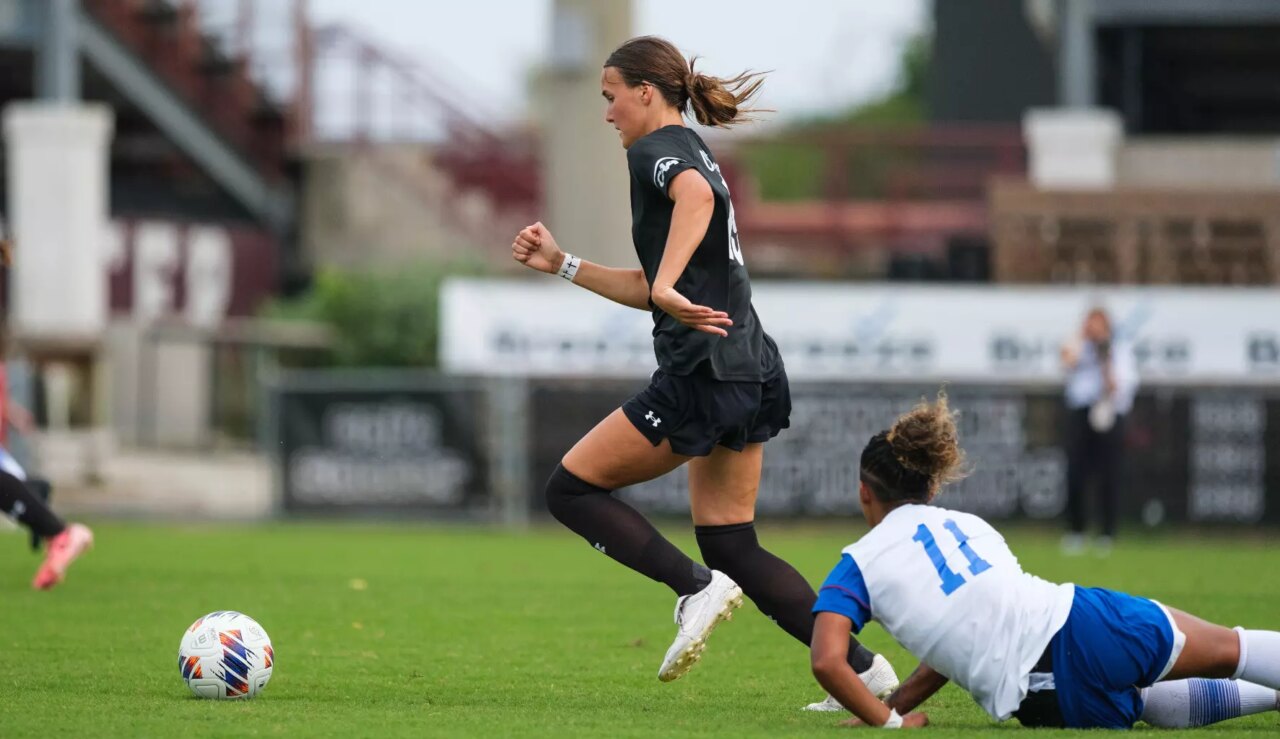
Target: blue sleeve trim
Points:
x,y
845,593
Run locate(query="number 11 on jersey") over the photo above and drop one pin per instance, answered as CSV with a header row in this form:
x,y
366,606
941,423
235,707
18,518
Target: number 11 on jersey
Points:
x,y
951,580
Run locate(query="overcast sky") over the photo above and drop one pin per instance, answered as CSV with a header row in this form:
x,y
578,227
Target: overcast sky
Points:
x,y
824,53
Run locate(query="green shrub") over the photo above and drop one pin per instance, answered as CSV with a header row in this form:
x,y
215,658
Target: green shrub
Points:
x,y
380,318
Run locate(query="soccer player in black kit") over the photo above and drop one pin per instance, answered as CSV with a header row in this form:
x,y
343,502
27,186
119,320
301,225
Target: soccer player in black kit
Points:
x,y
721,388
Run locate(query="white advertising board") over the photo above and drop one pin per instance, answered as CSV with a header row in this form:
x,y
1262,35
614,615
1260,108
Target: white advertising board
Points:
x,y
847,331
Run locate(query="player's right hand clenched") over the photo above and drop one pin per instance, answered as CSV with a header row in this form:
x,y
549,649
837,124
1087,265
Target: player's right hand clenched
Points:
x,y
536,248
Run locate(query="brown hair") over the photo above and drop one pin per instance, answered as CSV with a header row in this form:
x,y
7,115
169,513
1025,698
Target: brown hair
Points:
x,y
917,456
1101,313
713,101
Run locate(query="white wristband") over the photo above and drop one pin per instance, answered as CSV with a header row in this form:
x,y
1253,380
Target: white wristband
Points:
x,y
569,267
894,721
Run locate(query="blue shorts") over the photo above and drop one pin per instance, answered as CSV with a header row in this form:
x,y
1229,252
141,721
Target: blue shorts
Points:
x,y
1112,645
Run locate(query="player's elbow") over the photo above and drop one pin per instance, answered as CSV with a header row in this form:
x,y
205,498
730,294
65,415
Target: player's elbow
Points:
x,y
827,665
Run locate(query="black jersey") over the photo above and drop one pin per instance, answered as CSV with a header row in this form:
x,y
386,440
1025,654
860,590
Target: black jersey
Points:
x,y
716,275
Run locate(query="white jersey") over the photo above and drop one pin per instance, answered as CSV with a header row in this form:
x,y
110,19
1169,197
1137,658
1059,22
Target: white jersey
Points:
x,y
946,587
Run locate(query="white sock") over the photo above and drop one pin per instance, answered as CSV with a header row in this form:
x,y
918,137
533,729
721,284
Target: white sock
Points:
x,y
1183,704
1259,657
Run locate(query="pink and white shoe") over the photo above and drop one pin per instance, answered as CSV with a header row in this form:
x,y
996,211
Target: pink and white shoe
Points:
x,y
60,552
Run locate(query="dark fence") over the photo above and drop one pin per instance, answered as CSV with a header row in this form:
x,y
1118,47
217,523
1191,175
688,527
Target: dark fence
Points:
x,y
452,447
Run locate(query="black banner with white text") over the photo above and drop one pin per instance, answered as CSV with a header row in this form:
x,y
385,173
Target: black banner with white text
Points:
x,y
1191,455
383,450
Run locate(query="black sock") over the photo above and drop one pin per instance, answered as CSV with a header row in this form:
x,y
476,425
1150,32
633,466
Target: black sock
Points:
x,y
618,530
20,503
778,590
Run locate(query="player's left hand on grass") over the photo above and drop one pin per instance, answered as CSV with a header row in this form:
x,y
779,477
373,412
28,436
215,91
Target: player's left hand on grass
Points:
x,y
910,721
697,317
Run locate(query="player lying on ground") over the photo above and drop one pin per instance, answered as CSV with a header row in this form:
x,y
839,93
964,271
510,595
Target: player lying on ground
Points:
x,y
945,586
720,391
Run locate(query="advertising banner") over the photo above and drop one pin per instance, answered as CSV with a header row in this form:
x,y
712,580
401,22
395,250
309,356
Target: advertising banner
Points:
x,y
841,332
382,450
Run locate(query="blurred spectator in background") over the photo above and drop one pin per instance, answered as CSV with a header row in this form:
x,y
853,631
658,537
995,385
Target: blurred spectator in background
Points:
x,y
1101,380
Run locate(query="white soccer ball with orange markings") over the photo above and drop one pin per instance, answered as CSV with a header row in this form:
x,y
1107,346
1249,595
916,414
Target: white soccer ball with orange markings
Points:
x,y
226,654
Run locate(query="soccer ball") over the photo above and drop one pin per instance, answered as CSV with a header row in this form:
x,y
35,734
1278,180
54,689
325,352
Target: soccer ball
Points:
x,y
225,655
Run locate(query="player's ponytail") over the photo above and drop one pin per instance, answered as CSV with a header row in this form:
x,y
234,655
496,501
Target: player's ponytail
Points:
x,y
712,101
917,456
720,102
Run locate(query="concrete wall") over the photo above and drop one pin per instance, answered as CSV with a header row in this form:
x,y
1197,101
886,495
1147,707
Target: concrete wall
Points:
x,y
1200,162
160,387
385,204
588,188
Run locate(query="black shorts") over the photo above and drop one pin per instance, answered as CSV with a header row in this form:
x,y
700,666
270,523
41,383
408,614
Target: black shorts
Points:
x,y
1040,710
696,412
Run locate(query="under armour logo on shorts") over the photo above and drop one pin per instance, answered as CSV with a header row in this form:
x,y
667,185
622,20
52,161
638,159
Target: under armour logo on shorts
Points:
x,y
653,419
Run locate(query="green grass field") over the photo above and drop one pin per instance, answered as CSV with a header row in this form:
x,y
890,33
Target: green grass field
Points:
x,y
415,630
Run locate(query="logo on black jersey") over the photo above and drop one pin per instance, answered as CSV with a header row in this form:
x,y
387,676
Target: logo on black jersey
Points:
x,y
735,246
660,169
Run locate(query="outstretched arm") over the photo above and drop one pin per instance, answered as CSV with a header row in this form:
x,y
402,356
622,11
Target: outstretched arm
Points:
x,y
536,248
829,658
916,689
625,286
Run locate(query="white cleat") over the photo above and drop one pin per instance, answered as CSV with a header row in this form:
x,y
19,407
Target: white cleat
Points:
x,y
879,678
826,705
697,616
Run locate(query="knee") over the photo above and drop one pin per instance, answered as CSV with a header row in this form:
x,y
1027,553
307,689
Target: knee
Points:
x,y
725,548
564,487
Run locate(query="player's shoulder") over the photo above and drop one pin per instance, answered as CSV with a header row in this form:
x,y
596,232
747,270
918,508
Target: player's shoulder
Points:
x,y
903,522
666,141
971,523
884,536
